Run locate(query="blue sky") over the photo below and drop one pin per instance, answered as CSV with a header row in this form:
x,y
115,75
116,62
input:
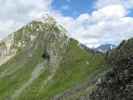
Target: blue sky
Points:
x,y
97,22
91,22
73,7
131,13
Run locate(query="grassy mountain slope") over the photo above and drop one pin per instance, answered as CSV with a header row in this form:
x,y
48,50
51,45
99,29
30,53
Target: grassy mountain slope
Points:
x,y
116,83
45,63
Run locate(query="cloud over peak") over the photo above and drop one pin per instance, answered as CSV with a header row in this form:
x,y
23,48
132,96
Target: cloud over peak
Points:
x,y
15,13
108,22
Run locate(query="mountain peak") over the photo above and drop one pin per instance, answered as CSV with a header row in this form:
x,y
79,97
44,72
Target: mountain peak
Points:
x,y
42,33
46,18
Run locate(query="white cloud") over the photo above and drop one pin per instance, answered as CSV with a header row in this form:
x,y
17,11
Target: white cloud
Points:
x,y
100,3
8,26
108,23
126,3
111,11
15,13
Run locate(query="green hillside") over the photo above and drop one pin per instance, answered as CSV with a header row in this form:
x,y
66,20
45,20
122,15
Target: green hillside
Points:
x,y
46,63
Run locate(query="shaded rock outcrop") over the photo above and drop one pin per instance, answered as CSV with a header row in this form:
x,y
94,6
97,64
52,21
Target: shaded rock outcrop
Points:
x,y
117,84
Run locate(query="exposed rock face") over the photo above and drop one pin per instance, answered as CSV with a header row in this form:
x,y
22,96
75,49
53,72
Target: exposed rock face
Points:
x,y
6,49
117,84
44,36
38,46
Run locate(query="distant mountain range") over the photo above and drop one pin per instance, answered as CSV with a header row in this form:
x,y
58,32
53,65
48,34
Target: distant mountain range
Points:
x,y
105,47
100,49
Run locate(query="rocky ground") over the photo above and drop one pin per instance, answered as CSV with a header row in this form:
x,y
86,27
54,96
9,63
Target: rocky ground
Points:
x,y
117,84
